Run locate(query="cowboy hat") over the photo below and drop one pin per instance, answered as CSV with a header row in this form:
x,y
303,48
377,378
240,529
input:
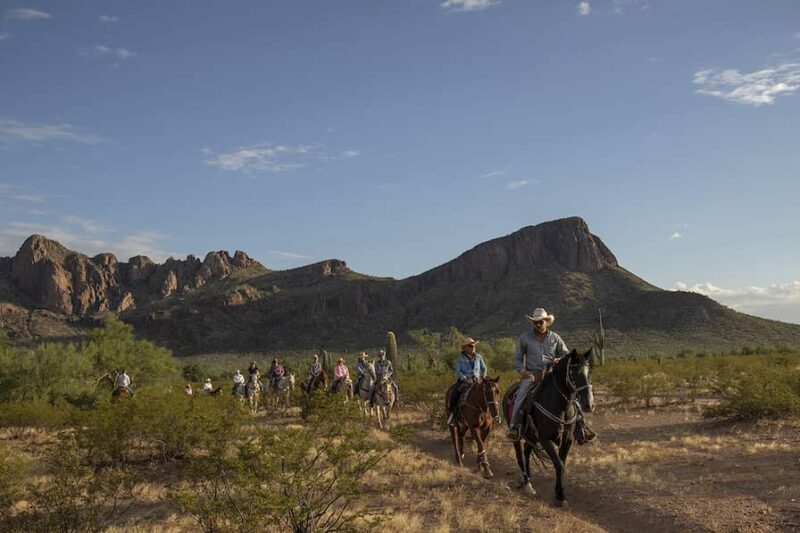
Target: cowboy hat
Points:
x,y
340,360
208,380
469,342
541,314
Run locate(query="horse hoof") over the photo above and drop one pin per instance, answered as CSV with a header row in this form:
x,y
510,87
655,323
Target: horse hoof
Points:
x,y
488,474
564,504
529,490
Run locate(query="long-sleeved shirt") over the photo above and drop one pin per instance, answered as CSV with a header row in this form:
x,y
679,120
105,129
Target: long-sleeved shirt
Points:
x,y
238,378
315,369
535,355
467,368
365,369
341,372
207,387
276,372
123,381
383,367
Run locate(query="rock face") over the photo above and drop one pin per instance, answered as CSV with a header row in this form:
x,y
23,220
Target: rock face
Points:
x,y
66,282
225,303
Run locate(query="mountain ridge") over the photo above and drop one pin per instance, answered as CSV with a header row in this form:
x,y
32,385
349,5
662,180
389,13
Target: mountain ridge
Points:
x,y
234,303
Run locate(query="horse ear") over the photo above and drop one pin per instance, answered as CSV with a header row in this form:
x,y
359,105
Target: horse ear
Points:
x,y
590,357
495,380
573,354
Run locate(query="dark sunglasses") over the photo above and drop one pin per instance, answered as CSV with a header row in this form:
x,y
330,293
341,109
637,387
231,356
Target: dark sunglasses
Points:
x,y
537,322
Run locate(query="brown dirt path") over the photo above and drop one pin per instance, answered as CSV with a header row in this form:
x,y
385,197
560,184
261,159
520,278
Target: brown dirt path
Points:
x,y
664,469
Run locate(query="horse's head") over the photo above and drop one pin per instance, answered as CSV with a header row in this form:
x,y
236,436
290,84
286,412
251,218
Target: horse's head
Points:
x,y
580,378
491,392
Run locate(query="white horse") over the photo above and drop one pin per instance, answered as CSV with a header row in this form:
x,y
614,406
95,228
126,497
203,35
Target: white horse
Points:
x,y
281,392
384,401
363,393
253,391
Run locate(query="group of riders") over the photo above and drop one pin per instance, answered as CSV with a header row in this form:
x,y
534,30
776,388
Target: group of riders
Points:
x,y
367,372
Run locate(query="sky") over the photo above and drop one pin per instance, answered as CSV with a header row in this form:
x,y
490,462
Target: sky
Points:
x,y
397,134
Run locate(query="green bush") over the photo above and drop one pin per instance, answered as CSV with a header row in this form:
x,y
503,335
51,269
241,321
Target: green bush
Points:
x,y
772,392
19,417
11,471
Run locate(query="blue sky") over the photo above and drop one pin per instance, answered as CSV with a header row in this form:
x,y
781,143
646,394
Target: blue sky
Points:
x,y
397,134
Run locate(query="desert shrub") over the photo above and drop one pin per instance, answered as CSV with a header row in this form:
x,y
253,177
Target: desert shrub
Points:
x,y
772,392
76,498
300,479
656,385
108,433
11,470
48,372
194,372
19,417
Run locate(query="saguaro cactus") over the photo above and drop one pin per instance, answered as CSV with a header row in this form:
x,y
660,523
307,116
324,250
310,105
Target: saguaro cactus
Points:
x,y
600,340
391,349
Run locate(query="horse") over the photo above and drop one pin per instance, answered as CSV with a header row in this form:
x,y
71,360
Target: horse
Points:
x,y
239,391
384,401
120,392
364,386
282,390
550,416
253,391
320,381
477,413
344,386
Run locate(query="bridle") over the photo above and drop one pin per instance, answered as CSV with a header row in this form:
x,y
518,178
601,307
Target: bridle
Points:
x,y
489,401
573,391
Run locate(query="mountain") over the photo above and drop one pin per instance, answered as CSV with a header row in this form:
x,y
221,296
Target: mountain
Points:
x,y
233,303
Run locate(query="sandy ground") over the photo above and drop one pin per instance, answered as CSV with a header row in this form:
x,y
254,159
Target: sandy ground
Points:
x,y
666,469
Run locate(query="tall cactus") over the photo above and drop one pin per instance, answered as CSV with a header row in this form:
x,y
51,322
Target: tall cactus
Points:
x,y
326,361
391,349
600,339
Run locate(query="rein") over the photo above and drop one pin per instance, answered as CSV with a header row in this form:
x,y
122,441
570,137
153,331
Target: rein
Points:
x,y
570,400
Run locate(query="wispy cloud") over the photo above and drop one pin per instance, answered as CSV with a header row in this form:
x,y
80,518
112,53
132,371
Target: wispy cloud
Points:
x,y
468,5
4,36
105,19
675,236
288,256
584,8
752,88
31,198
104,52
26,14
779,301
511,185
13,130
494,174
87,237
273,158
620,6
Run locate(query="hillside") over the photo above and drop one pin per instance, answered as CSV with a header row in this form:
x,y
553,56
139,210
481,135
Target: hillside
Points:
x,y
233,303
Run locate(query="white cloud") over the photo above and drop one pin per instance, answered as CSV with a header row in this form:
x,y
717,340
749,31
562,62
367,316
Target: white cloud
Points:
x,y
87,237
13,130
267,157
4,36
288,256
104,52
621,5
676,236
753,88
26,14
32,198
350,153
584,8
778,301
511,185
105,19
494,173
468,5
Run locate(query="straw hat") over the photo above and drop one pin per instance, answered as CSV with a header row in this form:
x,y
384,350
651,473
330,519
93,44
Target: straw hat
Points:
x,y
469,342
541,314
340,360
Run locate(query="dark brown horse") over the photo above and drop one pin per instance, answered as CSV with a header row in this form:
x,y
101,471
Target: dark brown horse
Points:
x,y
477,413
549,417
320,382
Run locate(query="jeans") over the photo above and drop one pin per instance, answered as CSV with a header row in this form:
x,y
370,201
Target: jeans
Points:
x,y
525,387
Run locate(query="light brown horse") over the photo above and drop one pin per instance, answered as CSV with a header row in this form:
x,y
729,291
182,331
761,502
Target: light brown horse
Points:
x,y
316,383
477,413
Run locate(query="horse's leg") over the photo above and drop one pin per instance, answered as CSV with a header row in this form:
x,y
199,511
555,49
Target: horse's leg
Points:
x,y
461,443
454,438
550,448
525,484
482,433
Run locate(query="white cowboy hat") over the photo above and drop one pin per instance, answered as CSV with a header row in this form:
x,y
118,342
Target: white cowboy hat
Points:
x,y
469,342
208,380
541,314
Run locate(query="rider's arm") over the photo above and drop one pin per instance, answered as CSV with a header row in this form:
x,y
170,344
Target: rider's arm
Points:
x,y
460,374
483,371
519,364
561,348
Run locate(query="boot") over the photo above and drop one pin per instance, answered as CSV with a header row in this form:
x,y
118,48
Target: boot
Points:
x,y
513,432
451,420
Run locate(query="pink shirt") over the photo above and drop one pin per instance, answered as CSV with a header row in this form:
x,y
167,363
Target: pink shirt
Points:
x,y
341,372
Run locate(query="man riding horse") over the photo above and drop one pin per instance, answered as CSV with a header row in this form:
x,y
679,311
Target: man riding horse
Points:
x,y
276,372
238,383
538,350
470,368
341,374
383,368
315,373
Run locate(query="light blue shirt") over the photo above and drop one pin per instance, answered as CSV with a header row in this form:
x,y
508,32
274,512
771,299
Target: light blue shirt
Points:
x,y
466,368
535,355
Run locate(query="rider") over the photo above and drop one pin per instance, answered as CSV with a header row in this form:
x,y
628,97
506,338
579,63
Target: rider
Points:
x,y
537,350
315,369
208,388
187,390
253,369
340,373
123,381
238,380
275,374
364,368
383,367
470,368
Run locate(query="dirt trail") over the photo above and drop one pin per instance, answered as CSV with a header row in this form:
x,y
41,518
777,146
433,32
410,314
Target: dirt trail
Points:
x,y
664,469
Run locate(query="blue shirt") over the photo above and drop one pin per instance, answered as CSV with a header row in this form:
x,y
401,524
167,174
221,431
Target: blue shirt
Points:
x,y
467,368
535,355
